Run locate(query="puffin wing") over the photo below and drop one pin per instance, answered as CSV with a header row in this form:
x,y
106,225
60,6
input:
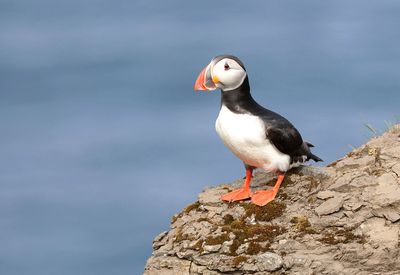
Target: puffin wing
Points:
x,y
284,137
279,131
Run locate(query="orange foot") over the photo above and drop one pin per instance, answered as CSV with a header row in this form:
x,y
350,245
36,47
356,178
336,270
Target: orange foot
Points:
x,y
237,195
263,197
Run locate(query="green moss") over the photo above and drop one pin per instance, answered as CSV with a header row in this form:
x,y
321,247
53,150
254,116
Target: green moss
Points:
x,y
302,225
204,219
217,240
228,219
255,232
261,233
234,246
265,213
186,210
194,206
238,224
282,196
198,246
335,236
287,181
180,236
239,260
300,222
254,248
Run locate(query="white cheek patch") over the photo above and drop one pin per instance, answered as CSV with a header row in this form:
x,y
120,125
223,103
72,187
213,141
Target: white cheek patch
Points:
x,y
231,78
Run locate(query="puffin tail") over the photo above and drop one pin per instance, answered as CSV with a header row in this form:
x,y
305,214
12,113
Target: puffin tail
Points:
x,y
310,155
313,157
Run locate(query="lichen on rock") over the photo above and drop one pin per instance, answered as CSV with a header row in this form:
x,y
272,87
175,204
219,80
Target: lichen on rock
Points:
x,y
339,219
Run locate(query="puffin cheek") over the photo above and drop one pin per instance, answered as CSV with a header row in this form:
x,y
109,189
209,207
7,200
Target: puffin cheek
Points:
x,y
229,81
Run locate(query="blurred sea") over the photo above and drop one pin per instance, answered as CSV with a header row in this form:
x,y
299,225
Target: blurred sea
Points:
x,y
103,139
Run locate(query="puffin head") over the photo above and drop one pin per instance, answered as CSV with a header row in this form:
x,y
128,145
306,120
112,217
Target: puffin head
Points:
x,y
225,72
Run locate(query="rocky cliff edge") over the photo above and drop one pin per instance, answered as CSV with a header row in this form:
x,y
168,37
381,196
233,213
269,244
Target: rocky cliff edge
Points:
x,y
339,219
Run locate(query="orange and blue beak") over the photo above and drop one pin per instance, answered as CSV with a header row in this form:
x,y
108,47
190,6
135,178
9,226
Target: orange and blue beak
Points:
x,y
205,81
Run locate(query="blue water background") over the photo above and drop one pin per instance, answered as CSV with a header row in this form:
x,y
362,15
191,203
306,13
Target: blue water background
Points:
x,y
103,139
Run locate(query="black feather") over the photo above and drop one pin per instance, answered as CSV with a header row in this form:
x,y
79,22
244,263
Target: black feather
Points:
x,y
313,157
309,144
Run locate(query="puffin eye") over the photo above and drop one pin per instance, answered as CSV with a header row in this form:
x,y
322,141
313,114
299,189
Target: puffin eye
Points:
x,y
226,67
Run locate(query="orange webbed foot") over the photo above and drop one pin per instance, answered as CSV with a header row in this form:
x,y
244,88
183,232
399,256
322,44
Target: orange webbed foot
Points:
x,y
263,197
237,195
242,193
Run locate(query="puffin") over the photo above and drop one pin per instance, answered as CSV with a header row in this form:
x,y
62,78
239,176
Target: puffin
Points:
x,y
259,137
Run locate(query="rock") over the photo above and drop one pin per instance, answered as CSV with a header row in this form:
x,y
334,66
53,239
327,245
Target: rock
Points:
x,y
198,269
342,182
385,193
381,234
388,213
158,241
167,266
210,196
352,205
242,249
396,169
226,247
341,219
330,206
288,262
326,194
391,216
268,262
211,248
288,246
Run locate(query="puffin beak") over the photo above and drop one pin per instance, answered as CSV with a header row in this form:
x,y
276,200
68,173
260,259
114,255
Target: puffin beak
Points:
x,y
204,81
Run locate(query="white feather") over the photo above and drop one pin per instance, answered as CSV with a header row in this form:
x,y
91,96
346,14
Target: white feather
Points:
x,y
229,79
244,135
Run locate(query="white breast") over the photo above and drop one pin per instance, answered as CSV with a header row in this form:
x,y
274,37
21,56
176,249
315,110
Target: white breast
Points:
x,y
244,135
